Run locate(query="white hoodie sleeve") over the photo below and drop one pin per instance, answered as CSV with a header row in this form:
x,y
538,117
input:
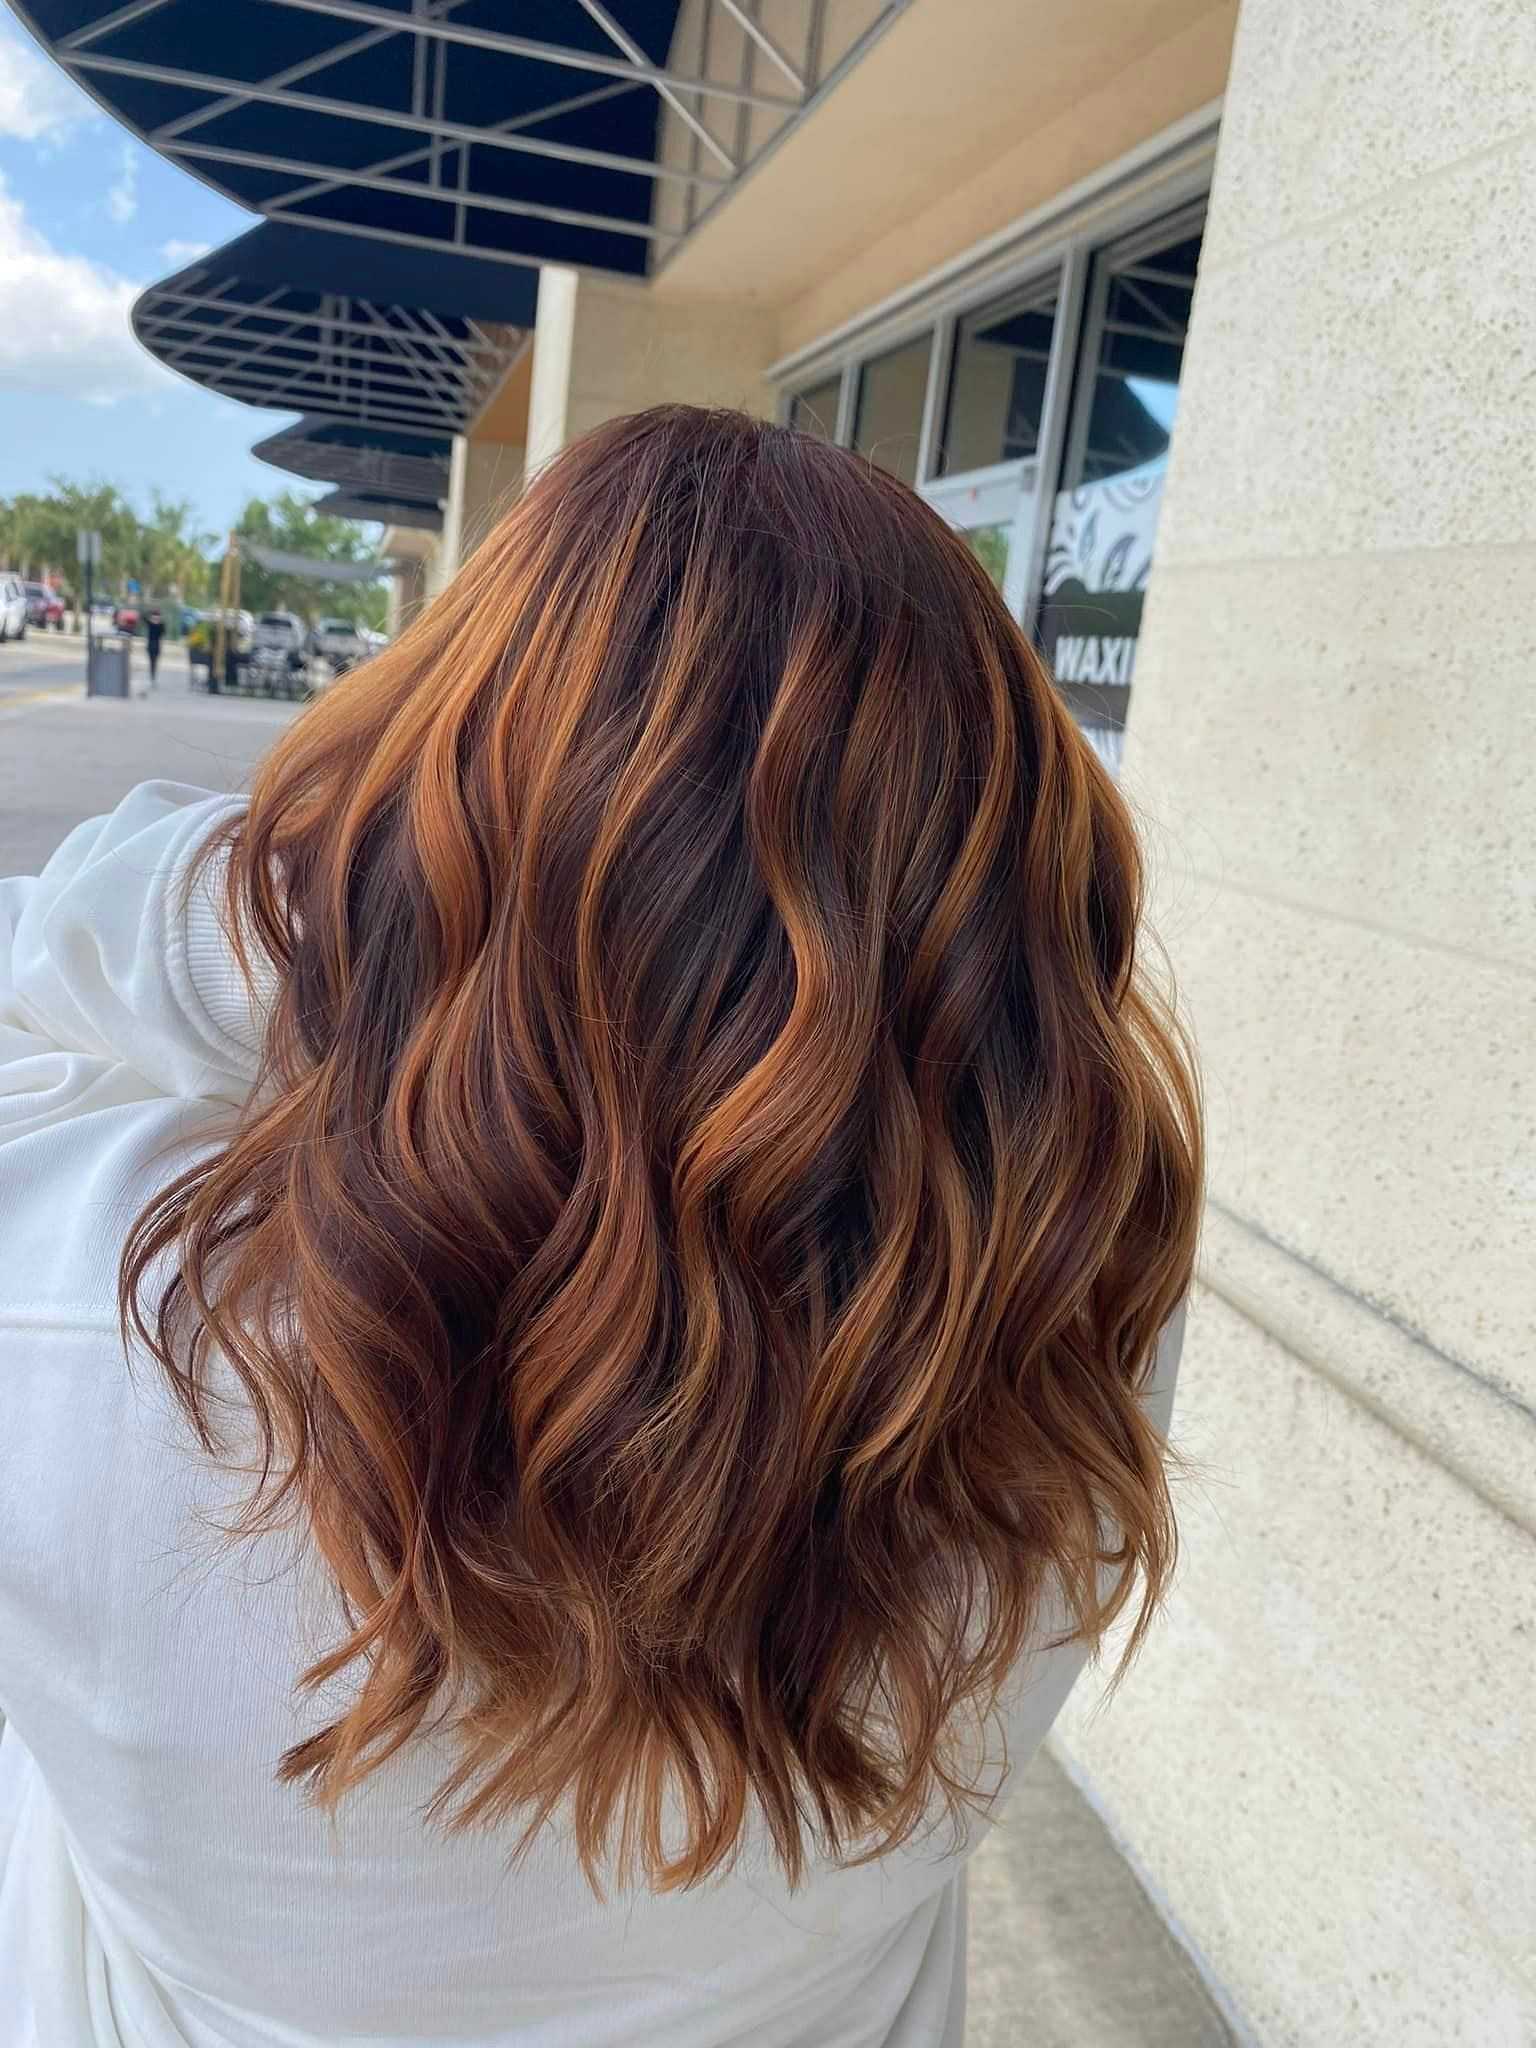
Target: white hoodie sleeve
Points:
x,y
106,954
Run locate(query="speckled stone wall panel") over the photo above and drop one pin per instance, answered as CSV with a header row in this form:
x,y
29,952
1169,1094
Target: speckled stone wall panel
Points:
x,y
1325,1760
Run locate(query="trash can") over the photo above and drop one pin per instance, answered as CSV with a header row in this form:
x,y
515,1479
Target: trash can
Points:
x,y
109,669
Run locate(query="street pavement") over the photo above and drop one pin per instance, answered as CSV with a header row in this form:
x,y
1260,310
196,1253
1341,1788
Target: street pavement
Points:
x,y
40,663
1066,1949
64,757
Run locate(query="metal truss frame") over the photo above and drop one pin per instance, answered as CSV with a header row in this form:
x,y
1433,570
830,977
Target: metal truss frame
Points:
x,y
346,504
374,471
438,161
380,364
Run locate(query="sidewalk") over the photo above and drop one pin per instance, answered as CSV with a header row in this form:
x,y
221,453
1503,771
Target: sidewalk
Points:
x,y
1066,1950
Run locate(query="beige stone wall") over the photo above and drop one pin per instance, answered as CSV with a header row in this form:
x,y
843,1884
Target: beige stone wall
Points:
x,y
493,476
604,348
484,479
708,43
960,118
1327,1759
600,348
408,589
934,138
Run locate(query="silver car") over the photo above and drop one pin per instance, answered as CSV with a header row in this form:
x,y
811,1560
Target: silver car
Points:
x,y
13,606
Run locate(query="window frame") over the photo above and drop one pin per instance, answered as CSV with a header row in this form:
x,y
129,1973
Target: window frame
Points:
x,y
1140,240
1133,201
853,392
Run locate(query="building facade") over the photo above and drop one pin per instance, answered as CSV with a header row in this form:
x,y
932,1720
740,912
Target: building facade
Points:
x,y
1208,325
1190,320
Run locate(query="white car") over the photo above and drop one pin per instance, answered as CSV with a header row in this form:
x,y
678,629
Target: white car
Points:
x,y
279,633
279,657
339,644
13,606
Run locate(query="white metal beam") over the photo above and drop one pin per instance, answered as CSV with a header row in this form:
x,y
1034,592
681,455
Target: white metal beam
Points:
x,y
293,73
448,370
379,117
269,309
765,42
298,393
399,238
669,95
380,385
558,55
484,202
109,23
181,336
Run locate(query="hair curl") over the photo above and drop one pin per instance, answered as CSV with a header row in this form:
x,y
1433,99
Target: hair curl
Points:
x,y
716,1180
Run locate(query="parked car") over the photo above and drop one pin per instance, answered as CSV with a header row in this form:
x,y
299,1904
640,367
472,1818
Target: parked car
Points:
x,y
280,655
339,643
280,633
240,627
45,607
126,617
13,606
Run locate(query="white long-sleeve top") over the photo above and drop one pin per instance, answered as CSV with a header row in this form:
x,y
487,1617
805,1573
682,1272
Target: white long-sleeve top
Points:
x,y
158,1887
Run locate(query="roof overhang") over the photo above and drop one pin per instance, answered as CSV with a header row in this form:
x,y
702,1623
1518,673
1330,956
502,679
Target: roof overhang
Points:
x,y
282,319
524,135
414,162
387,510
396,462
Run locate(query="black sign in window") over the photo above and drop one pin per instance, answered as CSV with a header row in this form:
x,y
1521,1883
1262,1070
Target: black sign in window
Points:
x,y
1104,521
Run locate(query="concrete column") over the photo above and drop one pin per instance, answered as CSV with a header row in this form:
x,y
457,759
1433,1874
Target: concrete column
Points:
x,y
413,554
484,478
407,592
554,341
603,348
1326,1761
445,564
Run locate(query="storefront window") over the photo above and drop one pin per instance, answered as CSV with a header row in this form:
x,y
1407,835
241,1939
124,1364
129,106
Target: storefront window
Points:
x,y
997,382
1139,318
889,413
1104,521
815,411
1070,548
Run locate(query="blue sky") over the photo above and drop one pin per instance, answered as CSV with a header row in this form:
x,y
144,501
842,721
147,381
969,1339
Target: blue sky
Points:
x,y
88,216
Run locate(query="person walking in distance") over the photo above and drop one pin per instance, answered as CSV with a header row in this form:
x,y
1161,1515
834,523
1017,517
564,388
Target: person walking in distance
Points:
x,y
154,633
649,1203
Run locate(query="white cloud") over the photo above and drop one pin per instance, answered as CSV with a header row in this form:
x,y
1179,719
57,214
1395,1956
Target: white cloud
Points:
x,y
178,254
123,198
37,102
64,329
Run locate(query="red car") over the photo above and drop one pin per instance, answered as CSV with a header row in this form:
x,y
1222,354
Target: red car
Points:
x,y
126,618
45,607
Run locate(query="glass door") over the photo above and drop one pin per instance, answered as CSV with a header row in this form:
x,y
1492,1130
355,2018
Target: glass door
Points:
x,y
986,471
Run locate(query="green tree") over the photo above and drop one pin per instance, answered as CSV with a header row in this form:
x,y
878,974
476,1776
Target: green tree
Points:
x,y
164,554
290,523
172,557
169,558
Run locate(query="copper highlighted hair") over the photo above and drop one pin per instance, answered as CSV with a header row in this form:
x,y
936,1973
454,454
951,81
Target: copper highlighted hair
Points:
x,y
717,1179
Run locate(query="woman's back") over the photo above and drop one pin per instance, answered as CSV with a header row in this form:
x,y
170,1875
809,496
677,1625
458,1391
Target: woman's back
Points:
x,y
162,1886
655,1249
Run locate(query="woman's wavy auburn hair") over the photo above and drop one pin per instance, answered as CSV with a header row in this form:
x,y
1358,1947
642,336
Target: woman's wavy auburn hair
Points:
x,y
716,1180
